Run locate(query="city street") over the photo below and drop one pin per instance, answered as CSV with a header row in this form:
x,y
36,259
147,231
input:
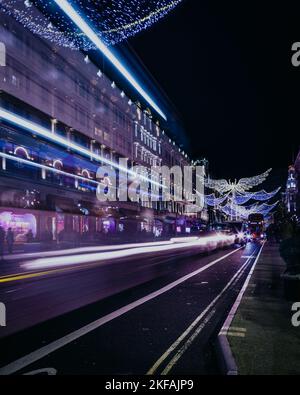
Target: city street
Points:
x,y
160,315
149,191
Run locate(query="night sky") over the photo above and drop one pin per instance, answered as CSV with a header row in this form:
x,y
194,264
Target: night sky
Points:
x,y
226,66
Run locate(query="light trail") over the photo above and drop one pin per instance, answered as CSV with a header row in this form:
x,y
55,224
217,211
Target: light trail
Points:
x,y
55,345
48,168
79,250
92,35
201,243
55,138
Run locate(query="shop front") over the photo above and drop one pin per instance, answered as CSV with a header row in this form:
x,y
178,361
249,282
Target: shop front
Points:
x,y
22,223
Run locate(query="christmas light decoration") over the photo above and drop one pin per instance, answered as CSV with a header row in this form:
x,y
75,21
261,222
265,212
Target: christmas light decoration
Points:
x,y
243,212
76,26
212,200
91,34
244,184
234,195
114,20
31,199
260,195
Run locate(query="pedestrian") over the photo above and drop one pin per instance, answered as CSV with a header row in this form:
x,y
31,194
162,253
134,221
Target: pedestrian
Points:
x,y
2,239
29,236
10,238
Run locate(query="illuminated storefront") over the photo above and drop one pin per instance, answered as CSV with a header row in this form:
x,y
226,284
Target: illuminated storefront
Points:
x,y
20,223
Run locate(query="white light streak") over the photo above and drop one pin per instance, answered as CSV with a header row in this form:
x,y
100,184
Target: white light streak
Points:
x,y
81,250
39,166
41,131
73,260
92,35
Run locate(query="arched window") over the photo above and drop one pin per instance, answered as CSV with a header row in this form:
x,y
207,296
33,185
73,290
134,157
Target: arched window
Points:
x,y
57,164
86,173
22,152
20,165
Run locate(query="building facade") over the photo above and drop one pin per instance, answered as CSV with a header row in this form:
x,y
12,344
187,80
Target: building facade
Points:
x,y
65,118
292,192
297,170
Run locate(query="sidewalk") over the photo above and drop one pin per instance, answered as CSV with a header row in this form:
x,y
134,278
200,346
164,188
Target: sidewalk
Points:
x,y
261,337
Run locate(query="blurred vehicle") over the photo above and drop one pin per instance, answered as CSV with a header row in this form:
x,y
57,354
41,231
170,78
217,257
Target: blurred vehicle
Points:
x,y
240,231
256,227
237,229
226,229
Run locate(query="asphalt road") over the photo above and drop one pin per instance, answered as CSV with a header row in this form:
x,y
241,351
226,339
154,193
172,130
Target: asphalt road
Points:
x,y
154,312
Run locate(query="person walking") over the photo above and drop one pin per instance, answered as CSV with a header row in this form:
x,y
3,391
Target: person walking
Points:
x,y
2,239
29,236
10,238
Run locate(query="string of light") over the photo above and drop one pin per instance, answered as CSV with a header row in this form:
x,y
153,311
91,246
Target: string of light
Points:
x,y
114,20
235,194
241,186
259,195
243,212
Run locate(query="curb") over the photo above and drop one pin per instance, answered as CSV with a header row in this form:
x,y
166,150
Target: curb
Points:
x,y
225,357
224,353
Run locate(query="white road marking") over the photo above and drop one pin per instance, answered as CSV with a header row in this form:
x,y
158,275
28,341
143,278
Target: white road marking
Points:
x,y
13,290
237,329
236,304
234,334
190,329
188,343
57,344
49,371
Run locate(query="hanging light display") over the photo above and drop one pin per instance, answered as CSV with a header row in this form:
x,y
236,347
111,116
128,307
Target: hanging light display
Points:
x,y
114,20
212,200
259,195
235,195
243,212
241,186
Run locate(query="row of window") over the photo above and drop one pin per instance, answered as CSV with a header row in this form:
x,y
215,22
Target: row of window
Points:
x,y
146,156
82,88
146,138
83,118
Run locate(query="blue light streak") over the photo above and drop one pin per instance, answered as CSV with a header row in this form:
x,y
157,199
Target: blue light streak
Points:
x,y
55,138
92,35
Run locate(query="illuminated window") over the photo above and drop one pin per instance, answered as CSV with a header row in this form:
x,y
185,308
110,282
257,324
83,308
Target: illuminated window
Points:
x,y
142,134
98,132
57,164
14,80
106,136
22,152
